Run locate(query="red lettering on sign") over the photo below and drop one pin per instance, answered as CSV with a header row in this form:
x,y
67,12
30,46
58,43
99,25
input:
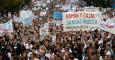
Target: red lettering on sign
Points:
x,y
80,15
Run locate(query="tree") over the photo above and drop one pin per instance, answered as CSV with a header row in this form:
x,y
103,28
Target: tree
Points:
x,y
12,5
99,3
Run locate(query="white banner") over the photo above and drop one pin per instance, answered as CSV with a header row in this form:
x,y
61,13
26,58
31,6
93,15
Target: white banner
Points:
x,y
26,17
6,27
109,27
81,20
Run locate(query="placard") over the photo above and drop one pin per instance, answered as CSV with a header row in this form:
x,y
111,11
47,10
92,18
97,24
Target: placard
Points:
x,y
6,27
81,20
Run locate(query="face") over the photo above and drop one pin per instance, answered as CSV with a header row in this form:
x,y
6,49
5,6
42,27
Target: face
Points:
x,y
107,58
42,54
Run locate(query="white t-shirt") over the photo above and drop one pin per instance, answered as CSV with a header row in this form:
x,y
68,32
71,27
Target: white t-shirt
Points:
x,y
30,46
101,58
26,46
29,55
9,55
76,59
50,56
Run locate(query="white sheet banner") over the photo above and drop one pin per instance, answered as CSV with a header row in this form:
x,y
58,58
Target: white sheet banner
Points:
x,y
26,17
81,20
109,27
6,27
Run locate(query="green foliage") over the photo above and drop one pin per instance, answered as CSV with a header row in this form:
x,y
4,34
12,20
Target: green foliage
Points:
x,y
11,5
100,3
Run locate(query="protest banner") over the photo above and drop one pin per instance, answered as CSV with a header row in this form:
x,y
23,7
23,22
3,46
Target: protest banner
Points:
x,y
57,15
81,20
6,27
109,27
26,17
27,21
57,18
43,32
46,25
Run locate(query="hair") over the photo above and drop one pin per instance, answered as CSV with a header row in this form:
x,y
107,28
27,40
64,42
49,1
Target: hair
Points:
x,y
34,54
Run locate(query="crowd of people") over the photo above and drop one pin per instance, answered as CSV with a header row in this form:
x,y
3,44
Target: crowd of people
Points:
x,y
26,43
